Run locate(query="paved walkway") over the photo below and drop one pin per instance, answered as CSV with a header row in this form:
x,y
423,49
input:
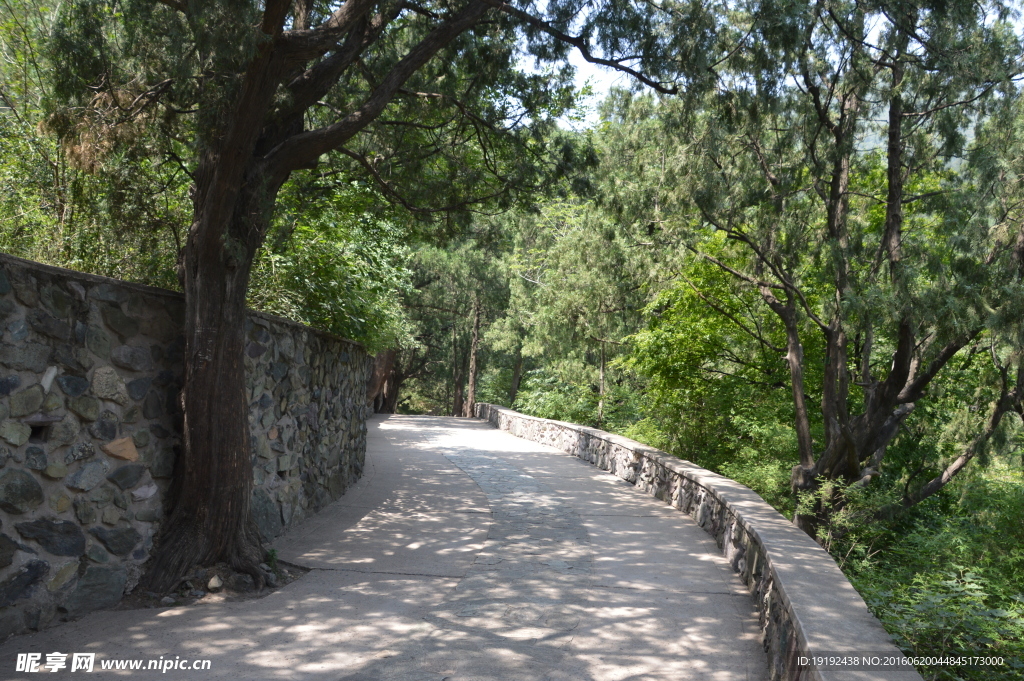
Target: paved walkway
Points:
x,y
464,553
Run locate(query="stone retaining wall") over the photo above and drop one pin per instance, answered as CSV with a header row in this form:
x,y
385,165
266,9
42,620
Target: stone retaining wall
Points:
x,y
807,606
90,427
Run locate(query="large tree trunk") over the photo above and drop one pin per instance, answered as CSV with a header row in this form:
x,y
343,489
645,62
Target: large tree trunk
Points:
x,y
389,398
211,521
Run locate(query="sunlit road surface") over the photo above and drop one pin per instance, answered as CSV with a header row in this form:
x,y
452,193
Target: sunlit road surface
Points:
x,y
463,553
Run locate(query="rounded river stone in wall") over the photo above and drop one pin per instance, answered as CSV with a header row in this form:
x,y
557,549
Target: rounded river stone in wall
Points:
x,y
59,537
137,389
14,432
19,492
27,401
88,476
8,547
86,407
64,432
131,357
122,324
25,356
106,384
48,326
73,386
81,450
119,540
99,587
9,383
127,476
17,585
35,458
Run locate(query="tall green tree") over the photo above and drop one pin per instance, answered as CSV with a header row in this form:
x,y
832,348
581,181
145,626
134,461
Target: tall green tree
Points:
x,y
837,172
577,289
249,93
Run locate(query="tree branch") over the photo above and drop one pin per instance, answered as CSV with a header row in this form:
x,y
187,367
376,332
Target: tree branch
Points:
x,y
915,388
753,334
580,44
304,148
390,191
736,273
304,44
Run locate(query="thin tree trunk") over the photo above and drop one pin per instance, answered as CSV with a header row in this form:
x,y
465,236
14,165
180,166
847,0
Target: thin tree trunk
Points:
x,y
473,349
458,402
600,399
517,377
456,374
795,360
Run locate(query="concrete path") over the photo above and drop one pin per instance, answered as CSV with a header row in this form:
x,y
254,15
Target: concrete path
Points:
x,y
464,553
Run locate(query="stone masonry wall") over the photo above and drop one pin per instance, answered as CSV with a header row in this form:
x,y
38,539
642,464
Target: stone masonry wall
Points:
x,y
90,424
807,606
307,396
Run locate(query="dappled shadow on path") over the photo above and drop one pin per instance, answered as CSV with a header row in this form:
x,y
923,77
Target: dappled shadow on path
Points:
x,y
466,554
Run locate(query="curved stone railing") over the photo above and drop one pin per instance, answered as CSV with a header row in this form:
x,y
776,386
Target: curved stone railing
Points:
x,y
807,606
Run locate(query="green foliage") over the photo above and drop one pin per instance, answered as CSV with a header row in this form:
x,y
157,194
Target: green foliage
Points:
x,y
89,188
448,285
641,307
337,261
945,578
549,396
84,206
716,396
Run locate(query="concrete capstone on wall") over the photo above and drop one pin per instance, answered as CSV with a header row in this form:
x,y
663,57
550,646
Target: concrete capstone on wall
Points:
x,y
807,606
90,428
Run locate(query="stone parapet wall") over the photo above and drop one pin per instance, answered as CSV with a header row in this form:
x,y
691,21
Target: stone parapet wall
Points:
x,y
807,606
90,429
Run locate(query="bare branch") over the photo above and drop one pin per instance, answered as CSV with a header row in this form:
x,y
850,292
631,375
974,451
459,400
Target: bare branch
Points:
x,y
913,390
580,44
1008,401
408,205
929,112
